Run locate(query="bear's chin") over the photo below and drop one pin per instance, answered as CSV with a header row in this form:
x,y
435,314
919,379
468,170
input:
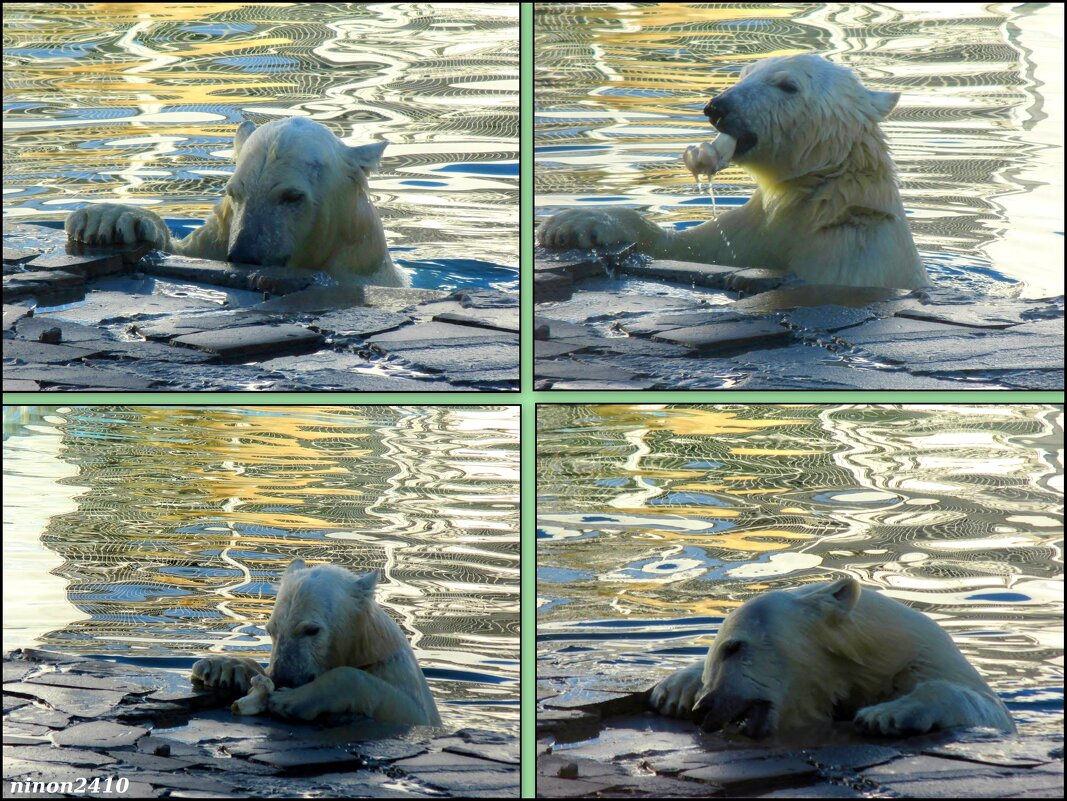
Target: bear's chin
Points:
x,y
754,720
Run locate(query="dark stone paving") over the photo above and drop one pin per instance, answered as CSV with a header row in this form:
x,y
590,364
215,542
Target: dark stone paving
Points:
x,y
134,320
68,719
600,743
764,332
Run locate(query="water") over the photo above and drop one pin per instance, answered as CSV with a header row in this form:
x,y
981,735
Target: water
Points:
x,y
977,135
165,528
141,103
655,521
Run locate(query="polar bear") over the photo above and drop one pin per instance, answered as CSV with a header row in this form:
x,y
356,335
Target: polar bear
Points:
x,y
795,659
826,207
336,652
297,198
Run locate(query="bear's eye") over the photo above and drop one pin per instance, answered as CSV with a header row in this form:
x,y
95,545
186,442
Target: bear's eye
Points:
x,y
731,648
311,630
788,86
292,196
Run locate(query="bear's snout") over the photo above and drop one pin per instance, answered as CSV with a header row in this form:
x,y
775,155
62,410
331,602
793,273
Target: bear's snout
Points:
x,y
755,717
715,110
722,112
285,677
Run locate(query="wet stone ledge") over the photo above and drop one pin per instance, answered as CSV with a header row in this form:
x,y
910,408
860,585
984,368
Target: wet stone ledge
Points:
x,y
699,326
600,742
139,320
69,719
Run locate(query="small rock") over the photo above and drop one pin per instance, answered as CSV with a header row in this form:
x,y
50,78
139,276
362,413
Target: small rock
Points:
x,y
52,336
568,771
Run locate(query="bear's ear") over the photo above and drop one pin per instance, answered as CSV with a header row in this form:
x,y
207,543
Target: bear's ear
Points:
x,y
296,564
244,130
883,102
366,583
837,597
366,157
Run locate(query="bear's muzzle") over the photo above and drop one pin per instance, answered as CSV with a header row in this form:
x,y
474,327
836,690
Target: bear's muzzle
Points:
x,y
754,717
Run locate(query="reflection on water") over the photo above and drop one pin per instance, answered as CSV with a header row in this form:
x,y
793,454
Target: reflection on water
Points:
x,y
977,136
655,521
141,102
179,521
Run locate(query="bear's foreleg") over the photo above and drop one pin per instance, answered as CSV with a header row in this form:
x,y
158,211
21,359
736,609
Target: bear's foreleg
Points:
x,y
934,705
349,691
227,673
600,227
104,224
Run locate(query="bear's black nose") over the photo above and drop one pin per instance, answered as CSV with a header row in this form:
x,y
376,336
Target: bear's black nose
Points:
x,y
714,111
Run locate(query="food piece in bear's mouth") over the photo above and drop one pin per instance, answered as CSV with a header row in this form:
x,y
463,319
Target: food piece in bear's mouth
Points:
x,y
709,158
256,701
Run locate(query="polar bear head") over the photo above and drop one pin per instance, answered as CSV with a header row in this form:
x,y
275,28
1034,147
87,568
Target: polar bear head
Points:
x,y
796,115
326,617
776,661
298,194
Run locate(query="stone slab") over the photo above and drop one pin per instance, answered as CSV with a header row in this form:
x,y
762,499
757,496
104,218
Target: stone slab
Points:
x,y
20,385
978,315
723,337
99,734
71,333
499,319
600,386
48,754
249,342
683,272
139,349
89,266
754,280
430,334
594,306
275,280
13,313
360,381
19,255
814,295
359,322
553,328
171,327
475,778
933,347
124,298
551,350
552,286
41,284
582,371
84,703
77,377
752,773
306,758
90,682
460,360
31,352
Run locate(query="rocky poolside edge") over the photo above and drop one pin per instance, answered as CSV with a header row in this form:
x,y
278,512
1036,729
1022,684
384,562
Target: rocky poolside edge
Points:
x,y
763,330
137,320
71,721
600,742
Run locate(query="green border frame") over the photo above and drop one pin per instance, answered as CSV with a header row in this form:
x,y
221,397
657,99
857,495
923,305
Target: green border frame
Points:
x,y
527,398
